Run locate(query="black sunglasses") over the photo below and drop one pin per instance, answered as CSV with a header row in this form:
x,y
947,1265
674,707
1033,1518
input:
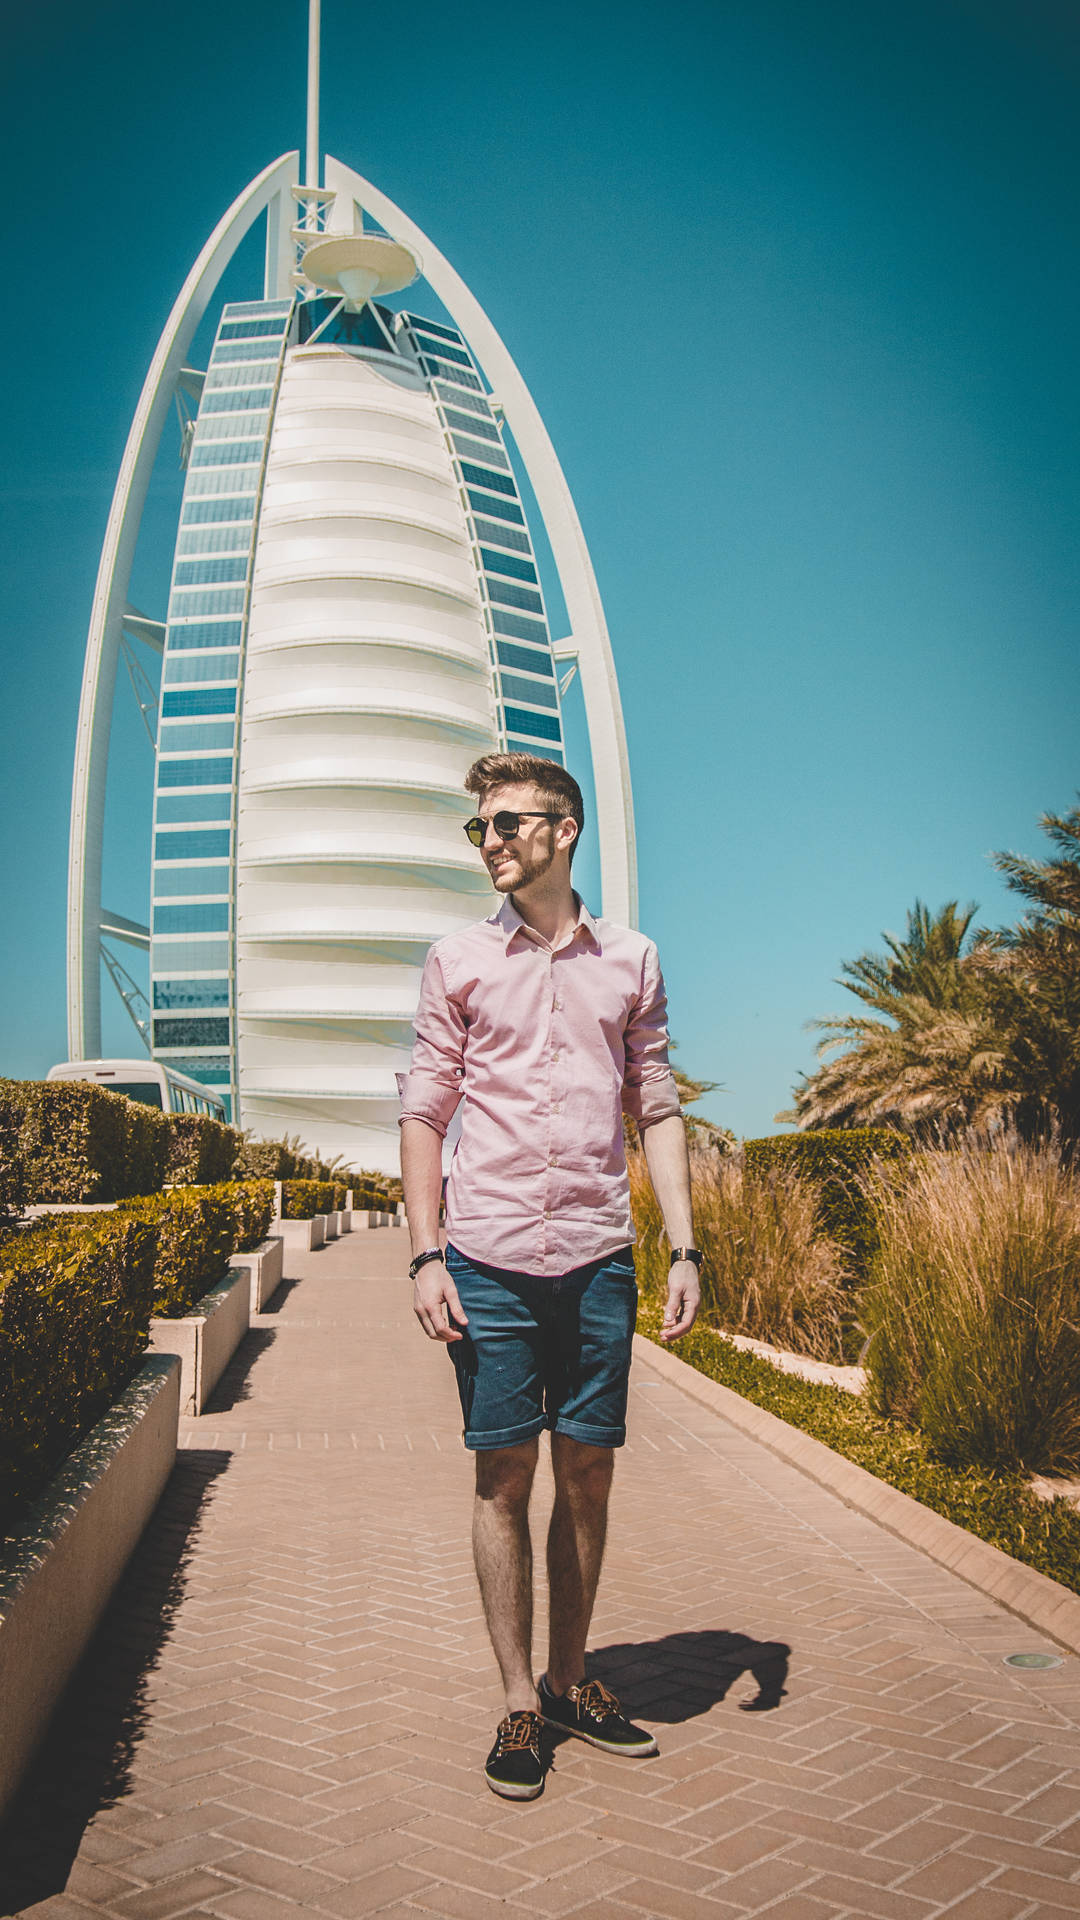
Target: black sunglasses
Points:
x,y
506,825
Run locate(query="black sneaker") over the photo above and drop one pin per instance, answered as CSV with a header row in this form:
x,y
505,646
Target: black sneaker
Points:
x,y
515,1766
594,1714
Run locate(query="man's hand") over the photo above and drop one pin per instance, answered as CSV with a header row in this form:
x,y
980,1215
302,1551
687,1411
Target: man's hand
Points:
x,y
683,1300
436,1304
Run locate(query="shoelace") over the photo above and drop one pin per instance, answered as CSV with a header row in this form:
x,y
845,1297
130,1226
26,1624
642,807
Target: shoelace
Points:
x,y
518,1732
593,1697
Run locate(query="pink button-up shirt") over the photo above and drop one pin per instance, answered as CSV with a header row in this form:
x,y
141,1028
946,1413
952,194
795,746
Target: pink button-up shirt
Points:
x,y
547,1047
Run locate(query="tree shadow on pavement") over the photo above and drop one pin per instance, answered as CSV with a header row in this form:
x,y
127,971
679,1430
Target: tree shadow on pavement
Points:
x,y
684,1674
85,1762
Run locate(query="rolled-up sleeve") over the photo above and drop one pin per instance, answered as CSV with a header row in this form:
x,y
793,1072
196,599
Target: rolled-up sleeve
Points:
x,y
433,1086
649,1090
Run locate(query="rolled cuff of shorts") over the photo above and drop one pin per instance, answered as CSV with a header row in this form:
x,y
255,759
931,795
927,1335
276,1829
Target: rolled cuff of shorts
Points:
x,y
590,1436
652,1099
480,1442
435,1102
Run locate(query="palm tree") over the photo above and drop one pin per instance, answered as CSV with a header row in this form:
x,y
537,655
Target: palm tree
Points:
x,y
1035,978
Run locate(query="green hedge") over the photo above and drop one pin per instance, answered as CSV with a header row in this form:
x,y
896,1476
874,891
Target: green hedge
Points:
x,y
12,1170
253,1210
202,1151
1000,1508
75,1302
197,1230
79,1143
836,1160
370,1198
303,1199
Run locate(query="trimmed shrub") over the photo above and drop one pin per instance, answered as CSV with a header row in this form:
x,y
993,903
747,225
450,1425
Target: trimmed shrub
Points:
x,y
999,1508
835,1159
195,1234
253,1210
75,1300
768,1271
974,1306
79,1142
12,1170
340,1196
202,1151
303,1199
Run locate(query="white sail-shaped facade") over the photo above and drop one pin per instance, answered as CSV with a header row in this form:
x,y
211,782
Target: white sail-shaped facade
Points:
x,y
355,614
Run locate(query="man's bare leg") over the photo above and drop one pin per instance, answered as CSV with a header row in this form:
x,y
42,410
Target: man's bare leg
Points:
x,y
502,1550
575,1551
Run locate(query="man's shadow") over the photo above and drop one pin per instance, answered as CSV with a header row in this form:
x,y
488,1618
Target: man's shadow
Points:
x,y
684,1674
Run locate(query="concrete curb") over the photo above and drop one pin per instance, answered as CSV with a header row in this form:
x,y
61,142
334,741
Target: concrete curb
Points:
x,y
264,1264
60,1565
1031,1595
206,1339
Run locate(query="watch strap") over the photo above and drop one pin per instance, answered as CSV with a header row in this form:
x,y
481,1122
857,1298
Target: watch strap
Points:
x,y
422,1259
687,1253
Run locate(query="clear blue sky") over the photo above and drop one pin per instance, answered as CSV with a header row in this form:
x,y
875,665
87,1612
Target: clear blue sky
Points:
x,y
795,288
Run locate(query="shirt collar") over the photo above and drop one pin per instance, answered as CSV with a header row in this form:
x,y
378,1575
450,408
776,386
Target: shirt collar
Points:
x,y
509,920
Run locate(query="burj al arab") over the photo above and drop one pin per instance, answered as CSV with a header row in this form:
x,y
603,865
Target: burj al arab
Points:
x,y
355,613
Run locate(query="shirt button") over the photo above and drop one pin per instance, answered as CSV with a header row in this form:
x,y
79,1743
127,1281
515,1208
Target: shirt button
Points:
x,y
547,1213
557,1006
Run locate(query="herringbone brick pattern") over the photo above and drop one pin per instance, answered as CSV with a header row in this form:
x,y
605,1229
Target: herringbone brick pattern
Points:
x,y
287,1708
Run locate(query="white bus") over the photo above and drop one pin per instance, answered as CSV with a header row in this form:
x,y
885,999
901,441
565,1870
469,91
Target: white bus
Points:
x,y
151,1082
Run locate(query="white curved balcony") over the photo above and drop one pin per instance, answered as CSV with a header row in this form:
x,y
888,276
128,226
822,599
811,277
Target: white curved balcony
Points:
x,y
316,1003
470,652
345,522
347,923
401,774
392,702
271,573
367,846
316,1082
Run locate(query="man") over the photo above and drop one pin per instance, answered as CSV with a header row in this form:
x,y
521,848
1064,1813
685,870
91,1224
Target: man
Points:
x,y
548,1024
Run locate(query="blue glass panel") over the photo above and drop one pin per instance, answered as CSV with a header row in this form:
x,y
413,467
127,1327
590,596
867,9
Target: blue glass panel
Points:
x,y
521,629
257,373
197,573
515,596
206,600
515,687
482,428
481,477
258,309
475,402
235,400
212,1069
225,352
195,773
455,354
227,480
239,507
212,843
346,329
535,746
199,700
503,536
437,371
508,563
184,807
180,994
190,956
512,656
503,509
225,453
474,450
231,539
209,1030
173,738
230,426
537,725
202,666
179,882
433,326
206,633
198,916
251,329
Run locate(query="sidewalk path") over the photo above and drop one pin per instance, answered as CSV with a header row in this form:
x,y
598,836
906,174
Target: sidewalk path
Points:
x,y
287,1709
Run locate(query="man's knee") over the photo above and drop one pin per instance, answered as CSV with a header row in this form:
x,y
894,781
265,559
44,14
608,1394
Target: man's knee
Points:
x,y
582,1471
504,1475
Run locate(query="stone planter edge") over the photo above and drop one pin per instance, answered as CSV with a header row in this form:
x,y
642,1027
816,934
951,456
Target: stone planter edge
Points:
x,y
206,1339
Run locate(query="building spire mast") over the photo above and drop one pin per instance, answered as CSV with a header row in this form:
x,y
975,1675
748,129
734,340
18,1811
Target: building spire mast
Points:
x,y
311,164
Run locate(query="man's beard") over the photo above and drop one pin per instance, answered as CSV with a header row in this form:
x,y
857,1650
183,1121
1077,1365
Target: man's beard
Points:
x,y
525,868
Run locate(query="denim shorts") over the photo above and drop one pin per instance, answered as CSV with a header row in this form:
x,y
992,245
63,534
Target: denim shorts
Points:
x,y
544,1352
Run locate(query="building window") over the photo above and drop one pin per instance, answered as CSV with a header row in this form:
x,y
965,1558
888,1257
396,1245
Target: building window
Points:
x,y
515,596
516,688
224,453
174,737
181,994
508,563
199,573
512,623
538,725
191,956
538,662
260,373
484,429
240,511
244,399
433,326
196,773
199,700
239,480
196,916
209,1031
503,536
212,843
234,539
202,666
217,633
481,477
255,354
459,358
217,600
473,450
503,509
473,402
172,883
251,329
435,370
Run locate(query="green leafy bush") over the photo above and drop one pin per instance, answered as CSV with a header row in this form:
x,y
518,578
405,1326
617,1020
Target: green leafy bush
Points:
x,y
78,1142
253,1210
202,1151
974,1305
75,1300
1000,1508
835,1160
195,1234
12,1170
768,1271
340,1196
303,1199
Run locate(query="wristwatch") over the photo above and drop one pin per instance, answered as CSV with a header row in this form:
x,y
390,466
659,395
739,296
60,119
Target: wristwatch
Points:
x,y
687,1253
432,1253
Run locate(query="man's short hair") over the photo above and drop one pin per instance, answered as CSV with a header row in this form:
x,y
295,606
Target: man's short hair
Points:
x,y
557,790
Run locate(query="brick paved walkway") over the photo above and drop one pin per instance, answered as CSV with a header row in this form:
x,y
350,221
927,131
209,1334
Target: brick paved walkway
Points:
x,y
286,1710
